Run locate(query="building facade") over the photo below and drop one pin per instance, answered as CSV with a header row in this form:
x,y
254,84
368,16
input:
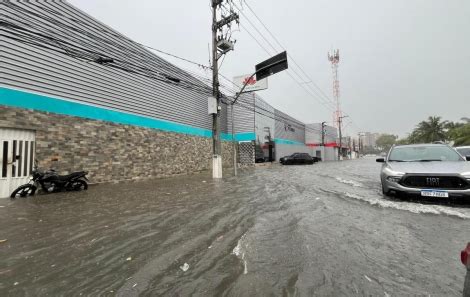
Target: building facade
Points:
x,y
135,117
77,95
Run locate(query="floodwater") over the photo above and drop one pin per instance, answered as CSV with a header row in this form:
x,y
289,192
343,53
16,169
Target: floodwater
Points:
x,y
315,230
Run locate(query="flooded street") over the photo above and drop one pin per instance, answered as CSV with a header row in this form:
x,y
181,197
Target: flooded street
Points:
x,y
316,230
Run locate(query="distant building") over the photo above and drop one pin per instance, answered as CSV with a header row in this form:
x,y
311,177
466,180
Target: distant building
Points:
x,y
328,149
369,139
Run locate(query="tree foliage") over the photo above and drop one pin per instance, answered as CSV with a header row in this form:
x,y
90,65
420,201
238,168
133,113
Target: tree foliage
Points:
x,y
386,141
435,129
460,135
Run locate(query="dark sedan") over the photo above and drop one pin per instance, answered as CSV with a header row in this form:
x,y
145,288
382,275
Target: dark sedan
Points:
x,y
297,159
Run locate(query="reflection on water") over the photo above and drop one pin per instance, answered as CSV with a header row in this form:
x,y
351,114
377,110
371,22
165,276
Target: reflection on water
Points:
x,y
322,230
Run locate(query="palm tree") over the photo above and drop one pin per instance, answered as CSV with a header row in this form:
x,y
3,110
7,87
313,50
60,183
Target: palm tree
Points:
x,y
429,131
460,134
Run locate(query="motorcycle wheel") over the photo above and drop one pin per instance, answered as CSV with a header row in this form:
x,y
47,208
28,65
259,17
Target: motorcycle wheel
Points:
x,y
23,191
78,185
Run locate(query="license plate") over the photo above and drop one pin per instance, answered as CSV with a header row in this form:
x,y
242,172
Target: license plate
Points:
x,y
434,193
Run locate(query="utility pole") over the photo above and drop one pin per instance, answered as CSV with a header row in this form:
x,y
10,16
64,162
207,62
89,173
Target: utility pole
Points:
x,y
216,146
220,46
340,120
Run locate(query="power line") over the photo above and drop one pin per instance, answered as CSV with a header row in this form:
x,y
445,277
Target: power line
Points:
x,y
288,73
290,57
316,97
41,40
103,42
327,99
37,39
88,34
123,37
148,74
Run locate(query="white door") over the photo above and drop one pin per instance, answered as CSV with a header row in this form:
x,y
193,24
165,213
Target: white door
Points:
x,y
17,149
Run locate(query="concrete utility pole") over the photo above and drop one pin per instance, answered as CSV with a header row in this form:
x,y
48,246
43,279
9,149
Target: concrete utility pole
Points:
x,y
323,124
216,145
340,120
220,46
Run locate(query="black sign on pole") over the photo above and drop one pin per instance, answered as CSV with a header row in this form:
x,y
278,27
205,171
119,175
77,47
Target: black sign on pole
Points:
x,y
271,66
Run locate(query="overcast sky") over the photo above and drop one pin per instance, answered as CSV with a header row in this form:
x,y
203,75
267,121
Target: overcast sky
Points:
x,y
401,60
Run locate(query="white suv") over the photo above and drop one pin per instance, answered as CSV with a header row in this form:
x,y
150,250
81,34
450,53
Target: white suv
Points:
x,y
463,150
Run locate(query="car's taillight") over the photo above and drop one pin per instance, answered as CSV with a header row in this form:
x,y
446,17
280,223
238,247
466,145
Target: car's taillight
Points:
x,y
464,255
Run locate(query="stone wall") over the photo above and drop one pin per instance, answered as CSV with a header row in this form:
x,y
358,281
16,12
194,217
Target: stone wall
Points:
x,y
112,152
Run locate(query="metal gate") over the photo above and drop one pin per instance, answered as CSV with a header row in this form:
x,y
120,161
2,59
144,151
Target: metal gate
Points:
x,y
246,153
17,149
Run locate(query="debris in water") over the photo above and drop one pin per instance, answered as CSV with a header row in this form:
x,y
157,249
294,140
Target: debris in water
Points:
x,y
367,278
16,284
210,247
135,285
129,258
220,237
53,265
204,181
318,198
185,267
3,240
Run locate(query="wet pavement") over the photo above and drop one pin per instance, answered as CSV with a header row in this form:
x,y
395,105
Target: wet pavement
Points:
x,y
315,230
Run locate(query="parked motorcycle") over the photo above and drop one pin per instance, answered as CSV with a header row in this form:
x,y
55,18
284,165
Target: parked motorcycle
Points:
x,y
51,181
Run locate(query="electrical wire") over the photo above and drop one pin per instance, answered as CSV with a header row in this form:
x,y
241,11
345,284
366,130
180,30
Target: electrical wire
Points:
x,y
320,95
290,57
288,73
326,98
103,42
87,54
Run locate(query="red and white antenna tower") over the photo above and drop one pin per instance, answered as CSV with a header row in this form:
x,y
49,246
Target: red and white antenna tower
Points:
x,y
334,59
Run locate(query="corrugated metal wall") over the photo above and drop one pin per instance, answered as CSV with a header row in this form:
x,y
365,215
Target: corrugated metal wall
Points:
x,y
244,114
288,128
264,120
41,68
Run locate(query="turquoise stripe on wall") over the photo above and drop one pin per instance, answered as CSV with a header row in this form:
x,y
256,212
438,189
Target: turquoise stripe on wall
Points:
x,y
15,98
21,99
286,141
245,136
